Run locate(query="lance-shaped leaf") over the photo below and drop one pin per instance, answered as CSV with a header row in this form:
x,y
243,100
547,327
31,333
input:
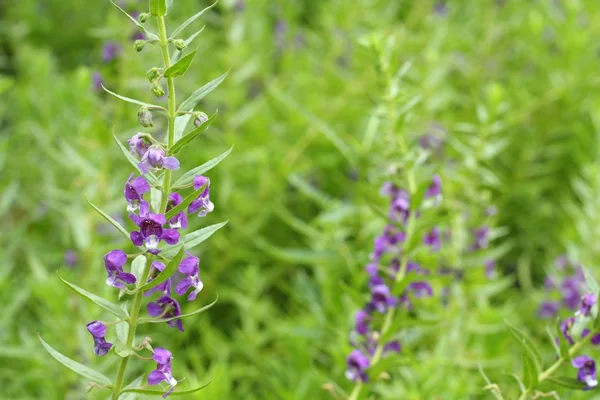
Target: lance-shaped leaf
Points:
x,y
188,177
186,202
178,53
149,35
193,239
107,305
527,345
108,218
180,124
181,66
159,320
152,179
194,99
81,369
160,8
133,385
160,392
184,141
190,21
166,273
122,329
134,101
530,374
565,381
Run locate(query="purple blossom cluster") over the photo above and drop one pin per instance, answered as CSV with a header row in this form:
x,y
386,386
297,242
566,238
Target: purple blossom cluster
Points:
x,y
564,287
153,228
386,267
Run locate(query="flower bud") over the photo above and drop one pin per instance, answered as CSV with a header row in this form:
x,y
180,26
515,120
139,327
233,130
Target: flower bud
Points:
x,y
180,44
145,117
153,74
138,45
157,90
144,17
200,118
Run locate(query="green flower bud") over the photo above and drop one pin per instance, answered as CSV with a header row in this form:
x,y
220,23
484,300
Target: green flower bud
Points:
x,y
145,117
144,17
157,90
200,118
153,74
180,44
138,45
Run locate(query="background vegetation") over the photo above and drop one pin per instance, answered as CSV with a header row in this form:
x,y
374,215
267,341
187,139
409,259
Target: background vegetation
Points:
x,y
508,90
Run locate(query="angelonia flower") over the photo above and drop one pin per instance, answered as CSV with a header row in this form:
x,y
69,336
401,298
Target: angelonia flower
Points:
x,y
152,231
166,307
202,205
190,267
97,81
586,370
385,265
110,51
154,159
71,258
564,287
139,145
165,287
162,373
114,261
134,192
179,221
98,330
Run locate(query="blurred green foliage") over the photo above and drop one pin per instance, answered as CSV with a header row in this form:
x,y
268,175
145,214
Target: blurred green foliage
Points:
x,y
509,88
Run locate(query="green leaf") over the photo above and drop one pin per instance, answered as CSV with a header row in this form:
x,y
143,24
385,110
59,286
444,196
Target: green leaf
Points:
x,y
193,239
190,20
188,177
181,66
180,124
122,329
160,8
132,385
562,343
159,320
107,305
134,101
530,374
178,53
81,369
152,179
194,99
138,267
158,392
187,201
122,350
109,219
184,141
149,35
591,281
166,273
565,381
527,345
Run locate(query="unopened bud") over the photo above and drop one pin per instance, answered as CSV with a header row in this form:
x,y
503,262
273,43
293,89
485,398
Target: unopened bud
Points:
x,y
200,118
157,90
144,17
180,44
138,45
153,74
145,117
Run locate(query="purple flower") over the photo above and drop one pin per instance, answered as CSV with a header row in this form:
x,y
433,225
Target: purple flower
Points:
x,y
98,331
97,80
548,309
362,319
420,289
138,145
190,267
570,290
165,287
202,204
430,142
565,328
110,51
382,298
436,187
400,207
587,302
587,370
151,231
392,347
113,262
179,220
163,370
154,159
138,35
71,258
134,192
481,238
595,339
166,307
432,239
357,365
387,242
490,269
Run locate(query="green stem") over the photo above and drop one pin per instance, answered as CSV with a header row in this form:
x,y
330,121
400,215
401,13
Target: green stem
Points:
x,y
133,322
355,391
172,112
552,369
